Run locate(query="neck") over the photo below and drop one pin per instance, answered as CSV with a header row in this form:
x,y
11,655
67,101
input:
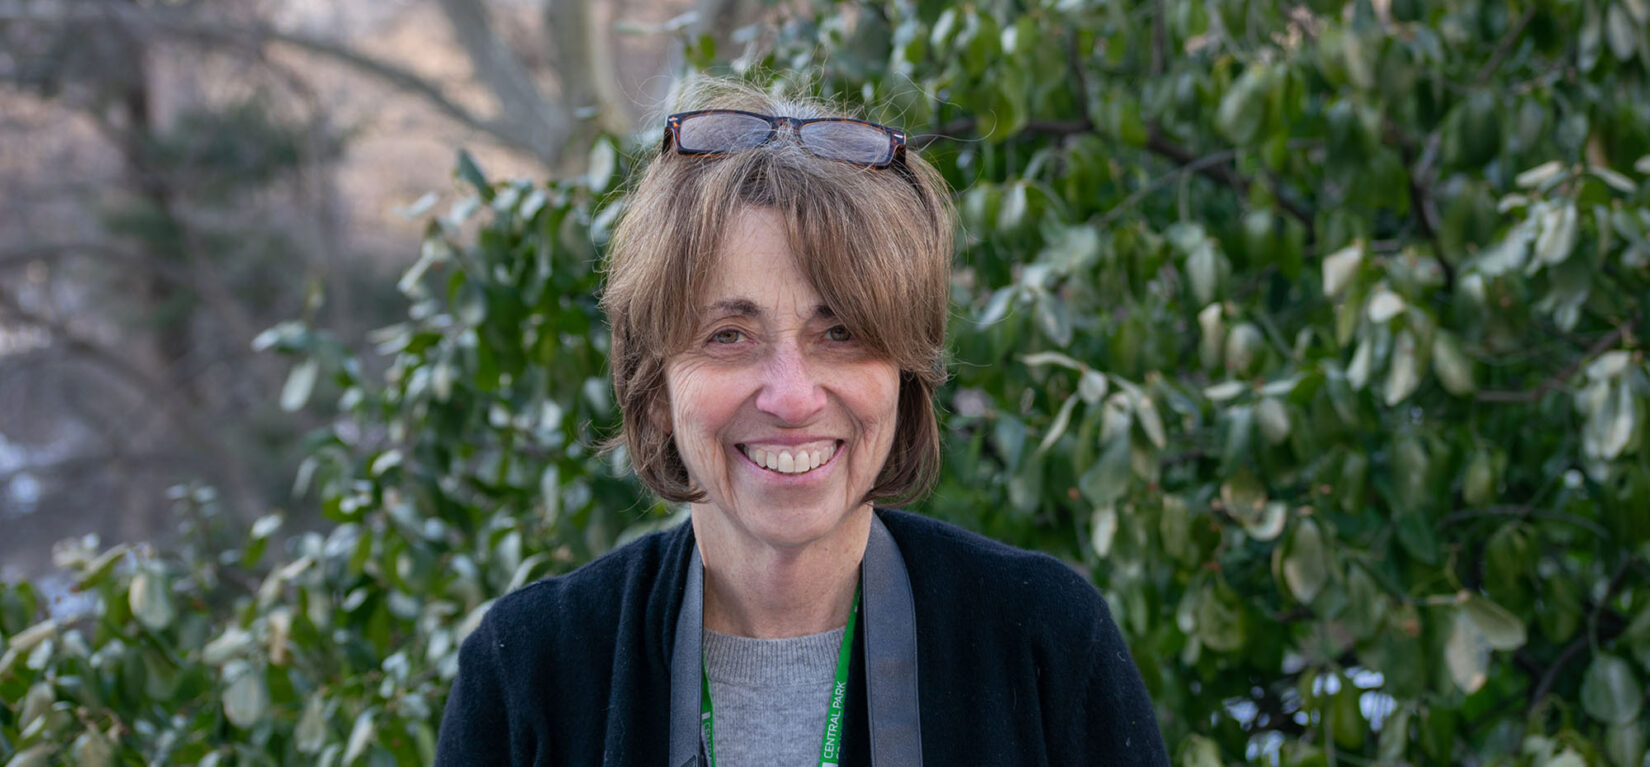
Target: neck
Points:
x,y
768,592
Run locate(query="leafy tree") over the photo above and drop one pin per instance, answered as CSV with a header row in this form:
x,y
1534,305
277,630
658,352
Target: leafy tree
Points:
x,y
1313,332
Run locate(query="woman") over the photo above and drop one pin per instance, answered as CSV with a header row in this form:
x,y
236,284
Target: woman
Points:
x,y
778,294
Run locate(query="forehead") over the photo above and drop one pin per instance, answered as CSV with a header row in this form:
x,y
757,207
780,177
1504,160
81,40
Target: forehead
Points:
x,y
755,270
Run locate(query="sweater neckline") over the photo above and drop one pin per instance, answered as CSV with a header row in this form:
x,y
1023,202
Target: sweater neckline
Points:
x,y
767,663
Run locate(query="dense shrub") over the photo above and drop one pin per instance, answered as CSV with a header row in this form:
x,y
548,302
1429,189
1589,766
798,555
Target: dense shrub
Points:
x,y
1313,332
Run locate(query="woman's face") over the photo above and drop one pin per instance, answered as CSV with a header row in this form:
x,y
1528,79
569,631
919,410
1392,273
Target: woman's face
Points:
x,y
782,417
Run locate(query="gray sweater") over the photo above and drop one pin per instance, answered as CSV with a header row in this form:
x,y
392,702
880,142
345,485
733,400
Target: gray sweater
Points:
x,y
770,697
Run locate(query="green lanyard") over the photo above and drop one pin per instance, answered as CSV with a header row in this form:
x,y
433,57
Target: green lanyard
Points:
x,y
830,746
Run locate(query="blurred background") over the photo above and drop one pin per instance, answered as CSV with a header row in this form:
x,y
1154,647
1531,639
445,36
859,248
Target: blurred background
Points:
x,y
1312,333
181,176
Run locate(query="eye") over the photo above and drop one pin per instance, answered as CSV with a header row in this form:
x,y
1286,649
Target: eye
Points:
x,y
839,333
727,336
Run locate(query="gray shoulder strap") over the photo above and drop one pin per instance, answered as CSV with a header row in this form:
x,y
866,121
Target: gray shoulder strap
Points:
x,y
685,668
890,652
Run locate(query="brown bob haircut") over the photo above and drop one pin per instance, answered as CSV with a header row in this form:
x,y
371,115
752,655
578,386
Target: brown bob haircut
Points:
x,y
874,243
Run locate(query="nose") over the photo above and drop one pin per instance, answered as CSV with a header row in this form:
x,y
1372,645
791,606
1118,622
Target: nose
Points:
x,y
791,391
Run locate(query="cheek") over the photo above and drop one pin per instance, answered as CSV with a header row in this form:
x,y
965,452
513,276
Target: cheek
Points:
x,y
878,402
696,401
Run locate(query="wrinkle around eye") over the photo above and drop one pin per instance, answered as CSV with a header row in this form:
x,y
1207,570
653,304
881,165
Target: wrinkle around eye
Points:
x,y
719,336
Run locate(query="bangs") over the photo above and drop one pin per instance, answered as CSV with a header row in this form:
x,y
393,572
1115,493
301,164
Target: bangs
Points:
x,y
851,230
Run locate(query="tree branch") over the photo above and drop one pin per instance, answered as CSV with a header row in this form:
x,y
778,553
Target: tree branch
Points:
x,y
1557,381
1527,512
1160,144
1574,648
542,127
1514,34
158,394
1160,39
45,251
184,26
1156,143
1218,158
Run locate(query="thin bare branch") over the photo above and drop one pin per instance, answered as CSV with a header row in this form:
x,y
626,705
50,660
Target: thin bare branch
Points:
x,y
1561,379
541,126
1514,34
159,395
188,26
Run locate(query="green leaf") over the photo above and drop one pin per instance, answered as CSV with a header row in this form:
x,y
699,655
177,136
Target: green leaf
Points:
x,y
1451,364
1212,343
1306,566
1203,268
1200,752
1404,374
469,171
1174,526
1092,386
1244,346
1539,175
246,699
1108,479
1467,653
604,160
1394,741
1560,612
1621,32
1415,534
1220,624
1624,744
1102,530
151,599
1273,419
37,755
361,735
311,733
299,383
1610,692
1340,267
1242,110
1501,629
91,749
1011,215
1613,179
1478,486
1052,358
1557,238
1009,435
1062,420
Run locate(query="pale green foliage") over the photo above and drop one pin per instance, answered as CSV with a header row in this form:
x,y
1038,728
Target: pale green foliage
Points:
x,y
1314,333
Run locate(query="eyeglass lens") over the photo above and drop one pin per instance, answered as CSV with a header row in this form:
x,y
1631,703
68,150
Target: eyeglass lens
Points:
x,y
845,141
850,142
723,132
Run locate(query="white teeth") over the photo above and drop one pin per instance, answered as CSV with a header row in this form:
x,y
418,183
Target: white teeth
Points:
x,y
788,462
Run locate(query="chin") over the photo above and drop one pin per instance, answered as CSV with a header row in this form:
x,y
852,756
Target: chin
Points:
x,y
792,526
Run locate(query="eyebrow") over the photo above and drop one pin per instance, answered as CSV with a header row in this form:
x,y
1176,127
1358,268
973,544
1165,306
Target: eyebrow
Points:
x,y
744,307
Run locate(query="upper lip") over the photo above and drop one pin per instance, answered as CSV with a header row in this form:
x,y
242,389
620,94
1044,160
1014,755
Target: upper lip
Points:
x,y
787,440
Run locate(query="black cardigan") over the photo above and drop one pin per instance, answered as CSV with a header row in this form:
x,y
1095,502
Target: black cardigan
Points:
x,y
1019,662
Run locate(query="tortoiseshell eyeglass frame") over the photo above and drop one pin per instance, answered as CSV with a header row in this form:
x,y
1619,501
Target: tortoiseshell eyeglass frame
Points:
x,y
894,155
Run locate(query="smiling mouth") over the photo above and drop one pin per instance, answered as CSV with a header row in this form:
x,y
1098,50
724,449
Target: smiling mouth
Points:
x,y
790,460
